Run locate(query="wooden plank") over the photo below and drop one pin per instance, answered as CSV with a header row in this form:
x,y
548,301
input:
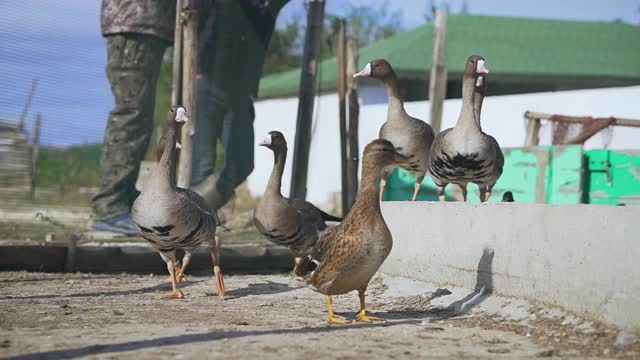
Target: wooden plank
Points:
x,y
35,150
189,70
353,123
581,119
341,59
438,77
532,137
306,95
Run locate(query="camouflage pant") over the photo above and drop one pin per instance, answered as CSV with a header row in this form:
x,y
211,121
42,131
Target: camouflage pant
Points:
x,y
133,68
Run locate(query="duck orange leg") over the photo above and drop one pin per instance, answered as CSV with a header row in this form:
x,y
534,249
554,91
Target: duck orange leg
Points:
x,y
362,315
333,318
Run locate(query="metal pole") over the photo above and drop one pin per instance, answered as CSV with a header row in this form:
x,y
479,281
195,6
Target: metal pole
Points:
x,y
306,94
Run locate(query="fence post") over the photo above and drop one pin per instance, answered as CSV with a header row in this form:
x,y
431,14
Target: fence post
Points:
x,y
189,70
35,152
438,77
306,94
354,114
341,59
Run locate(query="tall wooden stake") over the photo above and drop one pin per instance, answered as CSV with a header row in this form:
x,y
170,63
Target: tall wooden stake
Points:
x,y
176,89
189,70
438,77
354,113
341,59
35,150
306,94
27,104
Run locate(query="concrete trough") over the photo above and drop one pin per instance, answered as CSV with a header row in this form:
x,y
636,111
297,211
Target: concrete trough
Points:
x,y
584,258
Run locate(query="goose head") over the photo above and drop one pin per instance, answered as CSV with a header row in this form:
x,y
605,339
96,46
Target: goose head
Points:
x,y
377,69
382,154
475,68
177,116
274,141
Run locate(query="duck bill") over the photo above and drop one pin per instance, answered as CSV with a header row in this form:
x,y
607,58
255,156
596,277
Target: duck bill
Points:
x,y
219,281
366,72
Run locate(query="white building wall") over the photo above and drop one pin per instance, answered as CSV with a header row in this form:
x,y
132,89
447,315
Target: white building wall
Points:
x,y
502,117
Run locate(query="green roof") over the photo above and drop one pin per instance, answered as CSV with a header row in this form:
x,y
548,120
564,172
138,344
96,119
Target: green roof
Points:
x,y
515,49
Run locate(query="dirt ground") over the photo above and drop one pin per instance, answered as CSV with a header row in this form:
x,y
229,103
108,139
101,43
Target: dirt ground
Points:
x,y
63,316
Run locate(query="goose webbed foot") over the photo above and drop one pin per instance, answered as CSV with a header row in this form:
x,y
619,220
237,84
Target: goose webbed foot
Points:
x,y
175,294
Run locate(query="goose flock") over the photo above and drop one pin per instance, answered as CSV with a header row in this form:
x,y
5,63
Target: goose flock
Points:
x,y
333,256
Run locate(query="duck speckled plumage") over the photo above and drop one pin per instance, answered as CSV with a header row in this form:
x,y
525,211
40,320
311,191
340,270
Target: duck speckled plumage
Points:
x,y
172,218
347,256
412,137
464,154
294,223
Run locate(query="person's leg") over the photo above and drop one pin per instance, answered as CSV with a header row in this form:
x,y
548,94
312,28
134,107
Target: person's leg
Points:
x,y
133,69
207,131
238,141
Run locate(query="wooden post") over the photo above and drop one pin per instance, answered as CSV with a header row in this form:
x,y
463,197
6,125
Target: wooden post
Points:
x,y
35,150
438,77
27,104
354,113
306,94
341,59
189,70
533,131
176,85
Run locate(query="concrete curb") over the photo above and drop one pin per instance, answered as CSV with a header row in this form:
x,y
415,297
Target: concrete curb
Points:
x,y
583,258
141,259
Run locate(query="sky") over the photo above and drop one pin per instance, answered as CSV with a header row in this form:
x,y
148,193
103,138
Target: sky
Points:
x,y
59,43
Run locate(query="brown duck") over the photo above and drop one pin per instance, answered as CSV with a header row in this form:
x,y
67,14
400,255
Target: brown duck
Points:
x,y
293,223
347,256
412,137
172,218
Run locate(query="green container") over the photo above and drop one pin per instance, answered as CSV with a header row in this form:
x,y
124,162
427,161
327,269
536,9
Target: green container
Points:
x,y
546,174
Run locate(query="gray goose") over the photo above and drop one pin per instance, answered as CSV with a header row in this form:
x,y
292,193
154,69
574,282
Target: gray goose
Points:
x,y
412,137
347,256
172,218
464,154
293,223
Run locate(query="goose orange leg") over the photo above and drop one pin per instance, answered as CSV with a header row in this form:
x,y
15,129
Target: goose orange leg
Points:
x,y
180,276
362,315
175,293
464,192
217,272
416,187
441,193
333,318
